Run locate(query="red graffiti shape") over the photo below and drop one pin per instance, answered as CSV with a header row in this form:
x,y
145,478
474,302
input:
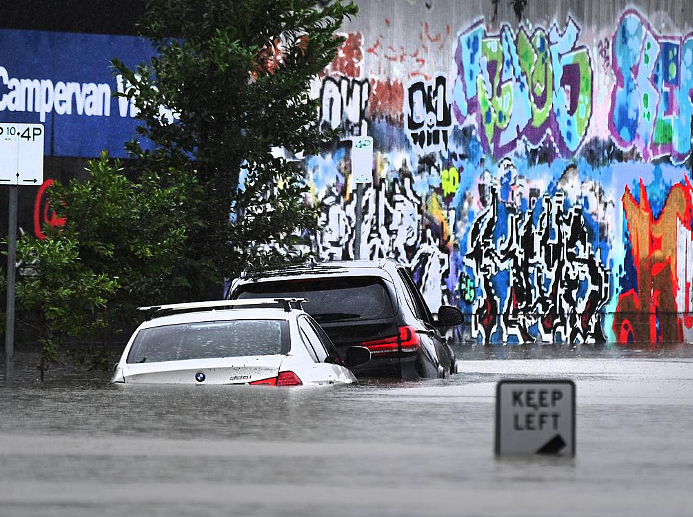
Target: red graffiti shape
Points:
x,y
386,100
43,212
349,56
650,312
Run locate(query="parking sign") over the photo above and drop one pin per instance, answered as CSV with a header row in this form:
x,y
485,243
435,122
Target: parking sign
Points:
x,y
21,154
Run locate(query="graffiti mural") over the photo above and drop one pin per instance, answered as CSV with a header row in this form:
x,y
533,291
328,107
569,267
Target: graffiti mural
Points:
x,y
428,115
537,87
660,250
391,223
535,268
392,226
534,175
652,103
344,104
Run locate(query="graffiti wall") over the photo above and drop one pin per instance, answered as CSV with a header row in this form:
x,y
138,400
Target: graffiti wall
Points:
x,y
535,172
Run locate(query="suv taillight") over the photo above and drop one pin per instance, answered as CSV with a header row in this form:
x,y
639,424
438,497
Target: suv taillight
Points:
x,y
389,346
287,378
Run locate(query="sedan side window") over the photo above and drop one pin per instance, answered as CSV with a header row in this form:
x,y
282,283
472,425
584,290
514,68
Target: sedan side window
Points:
x,y
313,343
309,347
332,354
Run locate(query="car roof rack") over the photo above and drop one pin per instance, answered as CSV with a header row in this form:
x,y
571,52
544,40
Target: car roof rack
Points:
x,y
287,304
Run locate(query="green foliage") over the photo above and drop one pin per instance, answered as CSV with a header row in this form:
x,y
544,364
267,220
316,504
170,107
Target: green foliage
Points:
x,y
123,245
237,75
133,231
57,285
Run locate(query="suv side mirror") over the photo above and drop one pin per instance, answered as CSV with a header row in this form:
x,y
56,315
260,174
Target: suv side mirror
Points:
x,y
449,316
356,356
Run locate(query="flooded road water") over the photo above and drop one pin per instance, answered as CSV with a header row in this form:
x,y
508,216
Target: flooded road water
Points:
x,y
82,447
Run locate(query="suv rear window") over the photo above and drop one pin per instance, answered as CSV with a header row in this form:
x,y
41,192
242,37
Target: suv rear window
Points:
x,y
210,339
329,299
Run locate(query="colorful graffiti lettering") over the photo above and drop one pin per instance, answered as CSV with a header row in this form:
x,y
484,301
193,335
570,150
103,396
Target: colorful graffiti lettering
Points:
x,y
657,308
651,102
466,287
428,115
450,179
344,104
537,276
536,87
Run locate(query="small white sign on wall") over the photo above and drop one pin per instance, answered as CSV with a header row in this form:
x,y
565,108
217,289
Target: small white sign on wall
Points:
x,y
362,159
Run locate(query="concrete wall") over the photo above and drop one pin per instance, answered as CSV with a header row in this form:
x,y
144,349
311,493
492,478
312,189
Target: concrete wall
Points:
x,y
534,173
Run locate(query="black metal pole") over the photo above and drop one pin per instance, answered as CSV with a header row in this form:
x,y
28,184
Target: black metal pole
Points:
x,y
359,221
11,265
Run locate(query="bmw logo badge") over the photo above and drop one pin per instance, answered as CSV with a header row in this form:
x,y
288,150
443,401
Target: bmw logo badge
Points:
x,y
200,377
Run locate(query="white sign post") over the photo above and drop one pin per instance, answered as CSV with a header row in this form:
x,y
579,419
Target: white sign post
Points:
x,y
535,417
361,174
21,163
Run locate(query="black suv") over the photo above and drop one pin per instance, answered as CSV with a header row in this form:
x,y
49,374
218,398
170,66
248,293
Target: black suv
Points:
x,y
364,303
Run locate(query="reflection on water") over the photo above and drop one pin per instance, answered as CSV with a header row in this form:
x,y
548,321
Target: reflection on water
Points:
x,y
575,351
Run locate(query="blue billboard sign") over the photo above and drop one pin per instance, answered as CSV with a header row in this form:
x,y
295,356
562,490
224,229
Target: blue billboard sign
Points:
x,y
66,82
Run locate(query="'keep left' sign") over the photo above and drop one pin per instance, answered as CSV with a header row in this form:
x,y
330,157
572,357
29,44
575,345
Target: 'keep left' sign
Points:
x,y
535,417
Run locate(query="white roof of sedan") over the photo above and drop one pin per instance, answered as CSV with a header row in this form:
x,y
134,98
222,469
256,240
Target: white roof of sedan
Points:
x,y
285,303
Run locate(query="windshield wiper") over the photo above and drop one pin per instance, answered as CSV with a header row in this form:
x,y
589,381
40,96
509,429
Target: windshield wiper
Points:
x,y
335,316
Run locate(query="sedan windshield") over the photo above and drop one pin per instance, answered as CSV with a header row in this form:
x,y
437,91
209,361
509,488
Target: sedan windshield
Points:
x,y
210,339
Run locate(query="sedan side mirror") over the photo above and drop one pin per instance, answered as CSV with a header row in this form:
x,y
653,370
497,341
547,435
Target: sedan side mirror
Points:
x,y
449,316
357,355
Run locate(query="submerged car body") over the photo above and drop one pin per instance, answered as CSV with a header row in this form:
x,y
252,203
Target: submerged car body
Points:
x,y
259,342
372,304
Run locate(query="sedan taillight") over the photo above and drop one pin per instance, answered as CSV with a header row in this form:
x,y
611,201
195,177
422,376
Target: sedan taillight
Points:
x,y
389,346
287,378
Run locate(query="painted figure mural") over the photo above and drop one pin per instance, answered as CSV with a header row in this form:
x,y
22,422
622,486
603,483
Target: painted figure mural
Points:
x,y
536,176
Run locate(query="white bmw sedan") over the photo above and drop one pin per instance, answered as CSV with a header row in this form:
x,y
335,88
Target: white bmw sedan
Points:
x,y
260,342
